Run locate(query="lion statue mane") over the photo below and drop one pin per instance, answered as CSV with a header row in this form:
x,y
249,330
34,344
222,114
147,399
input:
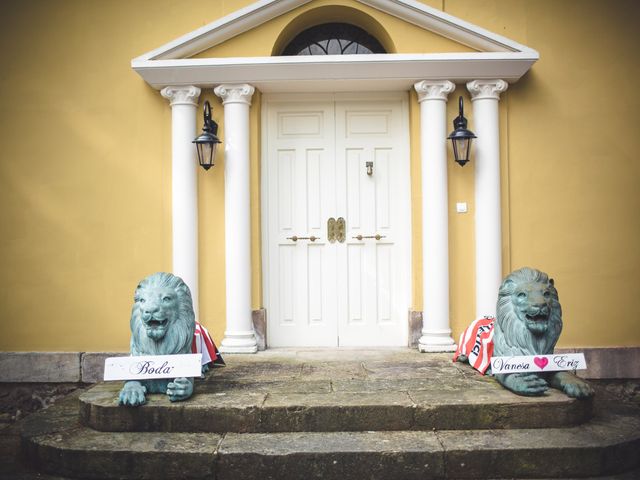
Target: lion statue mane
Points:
x,y
162,323
529,322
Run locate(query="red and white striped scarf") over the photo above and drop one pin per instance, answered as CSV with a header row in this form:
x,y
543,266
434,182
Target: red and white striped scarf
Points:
x,y
476,343
203,343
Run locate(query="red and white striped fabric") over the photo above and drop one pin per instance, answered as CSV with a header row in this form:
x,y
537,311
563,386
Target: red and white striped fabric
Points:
x,y
476,343
203,343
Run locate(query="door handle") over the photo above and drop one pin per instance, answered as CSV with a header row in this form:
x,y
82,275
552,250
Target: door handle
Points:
x,y
377,236
295,238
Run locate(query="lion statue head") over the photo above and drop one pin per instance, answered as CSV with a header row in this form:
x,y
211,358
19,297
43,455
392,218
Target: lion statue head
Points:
x,y
529,316
162,318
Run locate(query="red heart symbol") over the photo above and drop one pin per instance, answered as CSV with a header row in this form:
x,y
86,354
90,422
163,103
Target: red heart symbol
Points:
x,y
541,362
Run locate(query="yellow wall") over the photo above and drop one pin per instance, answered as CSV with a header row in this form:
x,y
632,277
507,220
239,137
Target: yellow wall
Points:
x,y
85,200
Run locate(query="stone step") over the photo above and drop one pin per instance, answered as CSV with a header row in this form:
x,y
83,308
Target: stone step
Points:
x,y
56,443
379,405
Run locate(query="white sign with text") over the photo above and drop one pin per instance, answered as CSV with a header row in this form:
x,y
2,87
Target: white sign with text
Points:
x,y
146,367
538,363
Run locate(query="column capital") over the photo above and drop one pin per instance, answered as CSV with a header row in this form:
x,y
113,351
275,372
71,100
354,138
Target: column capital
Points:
x,y
240,93
178,95
434,89
481,89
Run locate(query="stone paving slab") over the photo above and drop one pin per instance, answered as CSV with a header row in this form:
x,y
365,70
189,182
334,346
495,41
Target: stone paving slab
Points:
x,y
352,391
326,456
337,412
218,412
386,385
241,401
496,409
86,454
302,386
606,445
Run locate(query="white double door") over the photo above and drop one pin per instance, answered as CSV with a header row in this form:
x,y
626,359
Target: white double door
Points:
x,y
336,220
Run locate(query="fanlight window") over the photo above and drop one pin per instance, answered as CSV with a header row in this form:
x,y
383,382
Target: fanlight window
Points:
x,y
333,39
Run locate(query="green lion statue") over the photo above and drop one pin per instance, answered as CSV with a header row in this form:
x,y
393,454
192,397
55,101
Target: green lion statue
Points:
x,y
162,323
529,322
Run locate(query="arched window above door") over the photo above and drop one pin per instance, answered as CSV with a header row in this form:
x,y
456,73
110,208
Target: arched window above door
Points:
x,y
334,39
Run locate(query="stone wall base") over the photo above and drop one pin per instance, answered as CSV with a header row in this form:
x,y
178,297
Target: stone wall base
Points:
x,y
87,367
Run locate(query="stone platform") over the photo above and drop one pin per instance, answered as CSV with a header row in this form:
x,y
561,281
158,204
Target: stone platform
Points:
x,y
343,414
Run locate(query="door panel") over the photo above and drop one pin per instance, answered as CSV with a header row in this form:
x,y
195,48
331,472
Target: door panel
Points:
x,y
371,132
322,293
299,170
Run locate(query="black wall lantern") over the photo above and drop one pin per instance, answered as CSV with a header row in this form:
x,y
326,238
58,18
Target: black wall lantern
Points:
x,y
207,142
461,137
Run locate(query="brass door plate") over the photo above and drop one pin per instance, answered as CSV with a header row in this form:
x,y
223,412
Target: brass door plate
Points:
x,y
341,228
331,230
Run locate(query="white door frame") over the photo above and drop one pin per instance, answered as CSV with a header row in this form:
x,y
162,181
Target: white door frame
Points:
x,y
404,239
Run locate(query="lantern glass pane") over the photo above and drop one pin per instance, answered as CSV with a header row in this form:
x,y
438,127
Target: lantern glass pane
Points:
x,y
461,148
205,154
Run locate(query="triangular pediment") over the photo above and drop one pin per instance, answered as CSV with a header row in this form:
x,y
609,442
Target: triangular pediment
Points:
x,y
260,12
484,55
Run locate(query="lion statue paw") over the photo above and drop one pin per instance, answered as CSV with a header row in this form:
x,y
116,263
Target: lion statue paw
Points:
x,y
162,323
180,389
529,322
571,385
132,394
528,384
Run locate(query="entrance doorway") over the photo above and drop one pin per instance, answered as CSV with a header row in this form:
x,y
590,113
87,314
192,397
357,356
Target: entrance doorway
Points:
x,y
336,219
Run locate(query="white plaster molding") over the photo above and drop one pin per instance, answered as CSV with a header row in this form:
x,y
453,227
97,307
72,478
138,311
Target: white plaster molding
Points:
x,y
262,11
235,93
188,95
496,56
434,90
483,89
328,73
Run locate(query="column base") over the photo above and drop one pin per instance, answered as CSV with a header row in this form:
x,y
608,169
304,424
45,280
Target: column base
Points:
x,y
239,342
437,348
438,341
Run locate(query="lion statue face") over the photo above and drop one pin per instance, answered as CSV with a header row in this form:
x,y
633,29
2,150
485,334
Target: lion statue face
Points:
x,y
162,318
529,316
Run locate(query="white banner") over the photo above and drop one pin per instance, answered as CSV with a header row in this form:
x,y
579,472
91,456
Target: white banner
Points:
x,y
538,363
146,367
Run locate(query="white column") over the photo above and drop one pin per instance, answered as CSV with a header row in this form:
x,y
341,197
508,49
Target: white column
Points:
x,y
485,95
238,336
184,184
436,332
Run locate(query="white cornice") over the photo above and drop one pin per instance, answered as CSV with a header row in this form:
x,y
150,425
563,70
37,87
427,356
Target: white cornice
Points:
x,y
498,57
335,73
